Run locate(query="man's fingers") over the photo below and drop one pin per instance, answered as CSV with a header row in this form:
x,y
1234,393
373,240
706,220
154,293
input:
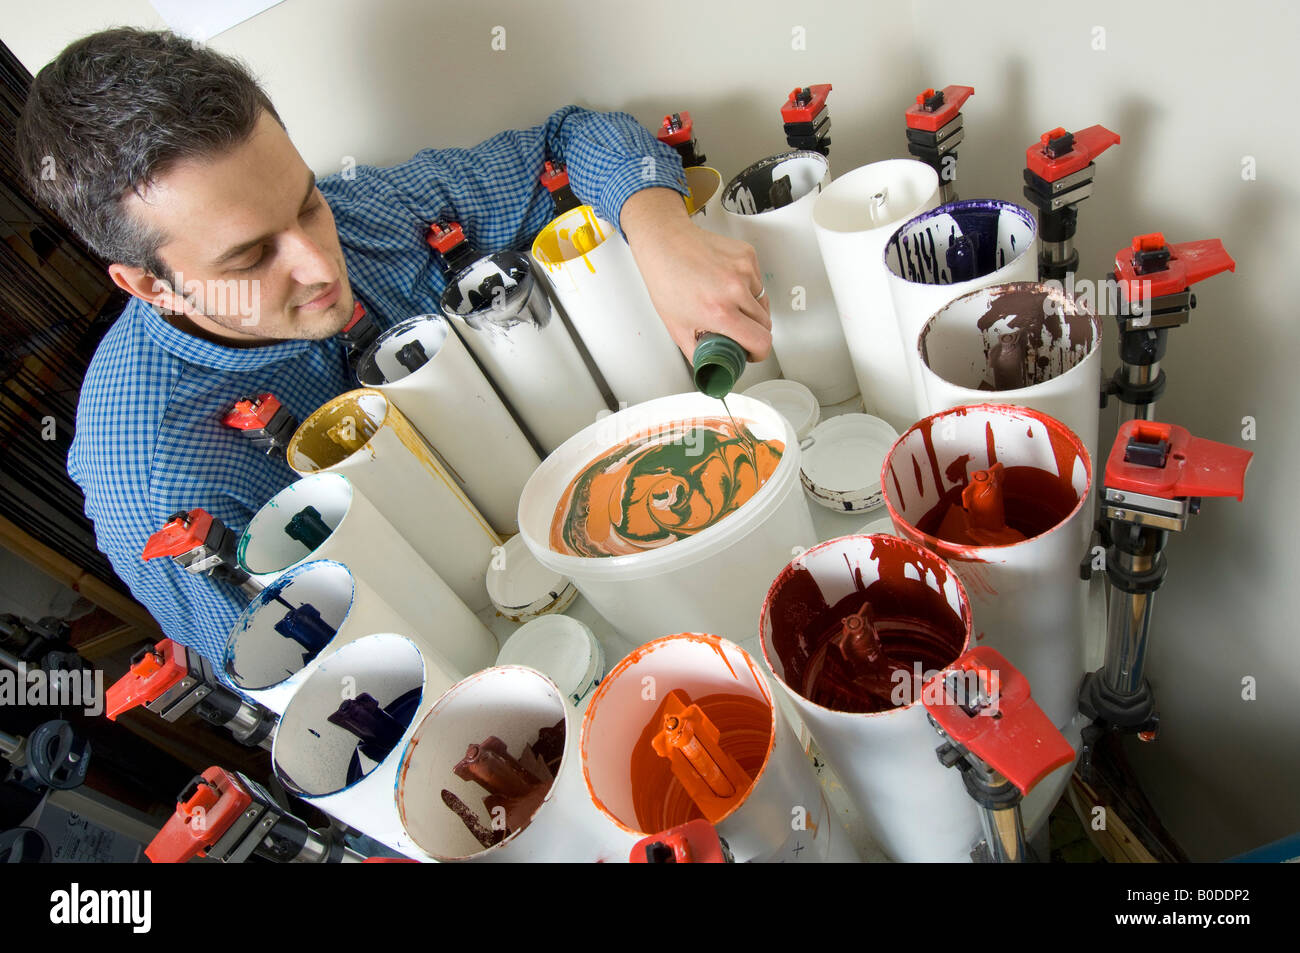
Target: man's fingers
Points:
x,y
747,332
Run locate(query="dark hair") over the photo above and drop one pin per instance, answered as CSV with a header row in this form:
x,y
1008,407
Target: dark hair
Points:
x,y
112,112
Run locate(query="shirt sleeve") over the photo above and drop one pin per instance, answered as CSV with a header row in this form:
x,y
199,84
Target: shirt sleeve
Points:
x,y
493,190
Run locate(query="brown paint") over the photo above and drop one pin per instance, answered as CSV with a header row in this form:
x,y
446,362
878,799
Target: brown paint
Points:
x,y
517,785
1021,356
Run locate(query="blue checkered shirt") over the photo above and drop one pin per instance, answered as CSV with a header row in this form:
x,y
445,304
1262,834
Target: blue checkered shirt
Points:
x,y
150,441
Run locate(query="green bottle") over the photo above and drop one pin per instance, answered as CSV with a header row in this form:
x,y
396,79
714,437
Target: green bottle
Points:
x,y
718,363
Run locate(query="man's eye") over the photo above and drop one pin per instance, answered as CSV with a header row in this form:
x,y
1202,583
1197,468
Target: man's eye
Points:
x,y
253,264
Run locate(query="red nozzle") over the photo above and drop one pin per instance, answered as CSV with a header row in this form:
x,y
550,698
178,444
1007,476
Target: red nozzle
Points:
x,y
182,533
443,238
1058,153
1191,466
206,809
934,110
675,129
1169,268
256,413
805,102
153,672
993,716
695,842
554,176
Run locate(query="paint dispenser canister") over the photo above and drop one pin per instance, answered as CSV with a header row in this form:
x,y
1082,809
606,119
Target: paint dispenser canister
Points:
x,y
301,619
323,516
522,709
715,577
914,807
941,254
341,739
775,810
503,314
423,368
769,205
1013,537
596,280
854,217
1024,344
362,435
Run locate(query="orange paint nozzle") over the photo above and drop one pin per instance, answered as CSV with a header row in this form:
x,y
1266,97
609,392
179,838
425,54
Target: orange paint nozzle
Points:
x,y
692,744
982,499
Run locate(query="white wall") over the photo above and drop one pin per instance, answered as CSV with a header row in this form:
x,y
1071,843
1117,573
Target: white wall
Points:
x,y
1191,88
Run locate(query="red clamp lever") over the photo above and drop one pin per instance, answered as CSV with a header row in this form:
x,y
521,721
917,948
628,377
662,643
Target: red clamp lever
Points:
x,y
1166,461
695,842
153,672
254,413
1170,269
1058,153
554,176
676,129
443,238
984,705
183,533
358,312
805,102
205,810
934,110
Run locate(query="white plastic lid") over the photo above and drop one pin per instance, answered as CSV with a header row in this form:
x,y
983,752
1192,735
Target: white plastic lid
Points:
x,y
561,648
792,401
841,461
521,588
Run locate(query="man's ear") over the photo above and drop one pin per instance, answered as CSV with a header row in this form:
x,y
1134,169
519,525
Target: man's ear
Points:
x,y
141,284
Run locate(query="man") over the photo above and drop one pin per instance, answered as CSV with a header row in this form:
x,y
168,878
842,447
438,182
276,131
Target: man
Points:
x,y
171,162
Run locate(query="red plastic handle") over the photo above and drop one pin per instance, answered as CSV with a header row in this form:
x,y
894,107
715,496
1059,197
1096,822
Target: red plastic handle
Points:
x,y
151,674
919,117
200,821
1193,466
1088,144
695,842
1189,262
795,111
554,176
443,238
1012,734
675,129
181,534
358,312
255,413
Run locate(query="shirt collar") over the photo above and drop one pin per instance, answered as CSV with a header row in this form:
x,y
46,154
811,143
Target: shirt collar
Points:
x,y
217,356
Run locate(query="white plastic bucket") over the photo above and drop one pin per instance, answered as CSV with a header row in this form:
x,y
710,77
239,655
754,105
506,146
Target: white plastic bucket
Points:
x,y
914,807
919,275
855,215
806,332
715,579
455,409
311,755
525,348
783,817
1024,344
373,552
513,703
1026,597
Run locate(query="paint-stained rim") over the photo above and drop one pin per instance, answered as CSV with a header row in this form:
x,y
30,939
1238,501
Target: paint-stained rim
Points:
x,y
790,568
957,551
636,655
733,184
368,360
1002,205
313,419
244,538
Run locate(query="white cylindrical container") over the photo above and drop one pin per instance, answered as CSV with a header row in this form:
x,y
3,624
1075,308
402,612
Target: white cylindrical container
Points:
x,y
914,807
363,436
716,576
267,664
854,217
944,253
1026,596
525,347
453,406
783,817
327,765
806,332
1025,344
596,279
374,552
514,704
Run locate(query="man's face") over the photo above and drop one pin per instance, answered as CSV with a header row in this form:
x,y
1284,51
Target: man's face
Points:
x,y
249,243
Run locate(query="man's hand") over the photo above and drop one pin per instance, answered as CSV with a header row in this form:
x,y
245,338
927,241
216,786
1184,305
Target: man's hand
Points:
x,y
698,282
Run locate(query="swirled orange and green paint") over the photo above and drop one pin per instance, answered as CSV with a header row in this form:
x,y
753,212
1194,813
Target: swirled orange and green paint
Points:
x,y
662,486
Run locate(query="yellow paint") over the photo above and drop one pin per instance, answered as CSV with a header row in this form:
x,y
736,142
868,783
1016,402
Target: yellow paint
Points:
x,y
703,182
562,240
333,433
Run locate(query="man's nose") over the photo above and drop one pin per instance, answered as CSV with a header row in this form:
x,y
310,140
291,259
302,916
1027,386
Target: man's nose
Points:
x,y
311,265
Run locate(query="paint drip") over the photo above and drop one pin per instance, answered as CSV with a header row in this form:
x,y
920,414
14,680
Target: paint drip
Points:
x,y
1031,336
902,621
661,486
